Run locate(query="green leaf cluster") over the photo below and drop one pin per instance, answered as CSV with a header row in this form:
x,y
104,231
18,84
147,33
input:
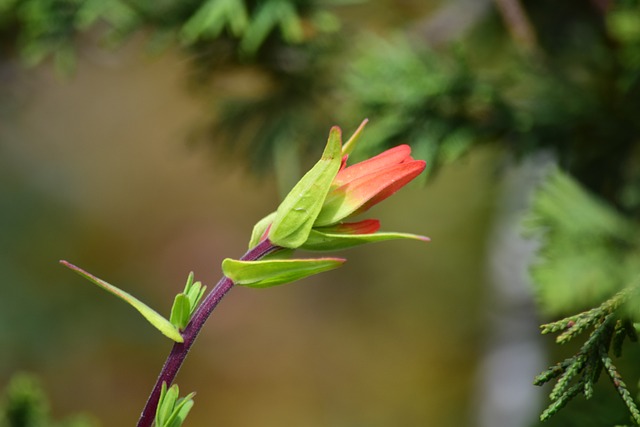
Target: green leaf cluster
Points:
x,y
172,409
186,302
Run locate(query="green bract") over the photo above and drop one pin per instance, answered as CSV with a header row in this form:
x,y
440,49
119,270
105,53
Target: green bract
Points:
x,y
263,274
172,409
260,228
298,211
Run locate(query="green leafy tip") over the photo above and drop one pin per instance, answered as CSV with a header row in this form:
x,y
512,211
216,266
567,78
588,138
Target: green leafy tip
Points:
x,y
300,208
350,145
172,410
266,273
159,322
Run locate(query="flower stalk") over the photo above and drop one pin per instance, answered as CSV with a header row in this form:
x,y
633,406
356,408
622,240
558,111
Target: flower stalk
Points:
x,y
315,215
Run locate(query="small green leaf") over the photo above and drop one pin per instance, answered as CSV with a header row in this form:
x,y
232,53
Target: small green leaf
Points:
x,y
319,241
298,211
195,294
194,291
189,283
262,274
162,324
163,411
181,410
180,311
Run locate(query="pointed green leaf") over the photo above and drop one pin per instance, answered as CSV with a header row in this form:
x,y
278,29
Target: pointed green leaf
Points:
x,y
162,324
298,211
350,145
319,241
195,294
166,404
189,283
180,411
262,274
260,228
180,311
162,411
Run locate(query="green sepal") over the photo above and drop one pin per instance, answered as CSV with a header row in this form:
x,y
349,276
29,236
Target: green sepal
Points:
x,y
300,208
260,228
180,311
172,410
320,241
152,316
262,274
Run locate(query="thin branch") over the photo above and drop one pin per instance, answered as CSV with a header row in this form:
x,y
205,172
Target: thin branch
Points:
x,y
180,350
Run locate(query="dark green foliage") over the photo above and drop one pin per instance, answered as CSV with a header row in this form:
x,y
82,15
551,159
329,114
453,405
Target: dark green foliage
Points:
x,y
589,251
24,404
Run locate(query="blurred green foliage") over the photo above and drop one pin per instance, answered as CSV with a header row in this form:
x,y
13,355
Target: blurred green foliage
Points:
x,y
25,404
573,89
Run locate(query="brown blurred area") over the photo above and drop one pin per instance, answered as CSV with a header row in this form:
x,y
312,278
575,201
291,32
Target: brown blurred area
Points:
x,y
97,169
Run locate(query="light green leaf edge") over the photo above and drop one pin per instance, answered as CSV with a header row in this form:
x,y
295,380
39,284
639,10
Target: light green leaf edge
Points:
x,y
259,229
263,274
319,241
165,403
298,211
157,320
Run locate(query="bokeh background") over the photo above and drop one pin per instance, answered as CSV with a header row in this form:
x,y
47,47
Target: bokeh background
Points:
x,y
145,157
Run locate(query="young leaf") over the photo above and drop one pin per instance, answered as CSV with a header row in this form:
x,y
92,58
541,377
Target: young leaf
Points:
x,y
298,211
180,411
159,322
262,274
164,406
180,311
195,294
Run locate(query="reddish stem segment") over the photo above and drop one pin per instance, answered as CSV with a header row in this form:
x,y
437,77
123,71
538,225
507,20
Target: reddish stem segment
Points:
x,y
179,351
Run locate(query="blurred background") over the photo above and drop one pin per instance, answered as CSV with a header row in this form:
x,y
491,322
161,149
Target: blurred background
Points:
x,y
142,141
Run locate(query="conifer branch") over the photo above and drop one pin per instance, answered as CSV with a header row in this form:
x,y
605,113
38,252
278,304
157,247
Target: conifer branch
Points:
x,y
578,374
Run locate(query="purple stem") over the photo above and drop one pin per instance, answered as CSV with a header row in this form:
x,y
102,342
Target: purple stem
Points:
x,y
179,351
